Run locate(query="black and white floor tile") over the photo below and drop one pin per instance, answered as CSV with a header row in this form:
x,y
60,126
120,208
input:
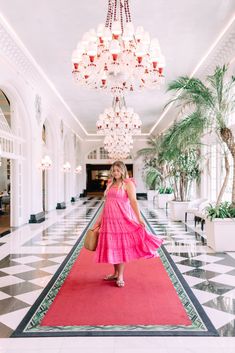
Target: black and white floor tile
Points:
x,y
24,274
210,276
30,257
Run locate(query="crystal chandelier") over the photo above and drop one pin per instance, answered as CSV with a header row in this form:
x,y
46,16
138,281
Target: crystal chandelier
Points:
x,y
119,143
116,57
119,119
118,149
119,155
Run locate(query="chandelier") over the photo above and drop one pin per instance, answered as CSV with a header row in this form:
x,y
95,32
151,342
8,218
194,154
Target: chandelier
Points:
x,y
118,147
118,124
119,155
116,57
119,119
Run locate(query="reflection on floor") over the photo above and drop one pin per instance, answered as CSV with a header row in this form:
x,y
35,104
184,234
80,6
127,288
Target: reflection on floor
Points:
x,y
30,256
211,276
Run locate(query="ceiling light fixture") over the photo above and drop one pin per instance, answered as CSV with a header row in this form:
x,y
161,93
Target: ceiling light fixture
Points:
x,y
119,119
116,57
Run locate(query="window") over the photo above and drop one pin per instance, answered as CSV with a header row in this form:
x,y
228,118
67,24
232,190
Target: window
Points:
x,y
92,155
103,153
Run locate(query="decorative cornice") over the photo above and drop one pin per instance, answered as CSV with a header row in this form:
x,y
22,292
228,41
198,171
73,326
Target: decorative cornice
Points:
x,y
222,53
14,55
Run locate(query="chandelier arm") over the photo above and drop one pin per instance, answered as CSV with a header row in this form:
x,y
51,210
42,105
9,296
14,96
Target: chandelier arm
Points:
x,y
127,10
108,13
121,15
115,10
111,14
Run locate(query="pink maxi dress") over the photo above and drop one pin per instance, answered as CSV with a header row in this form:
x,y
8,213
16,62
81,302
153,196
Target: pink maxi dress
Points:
x,y
121,237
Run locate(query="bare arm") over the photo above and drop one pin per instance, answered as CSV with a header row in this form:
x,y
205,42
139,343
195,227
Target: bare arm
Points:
x,y
99,219
131,192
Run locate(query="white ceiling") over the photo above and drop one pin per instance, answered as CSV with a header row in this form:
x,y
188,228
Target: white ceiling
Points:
x,y
50,29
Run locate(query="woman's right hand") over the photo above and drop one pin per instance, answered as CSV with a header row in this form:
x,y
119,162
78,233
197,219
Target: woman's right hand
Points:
x,y
141,222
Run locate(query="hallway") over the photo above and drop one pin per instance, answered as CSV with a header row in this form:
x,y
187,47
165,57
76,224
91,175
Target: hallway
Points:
x,y
31,255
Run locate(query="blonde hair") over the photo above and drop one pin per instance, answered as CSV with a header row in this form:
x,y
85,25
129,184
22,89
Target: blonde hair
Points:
x,y
124,174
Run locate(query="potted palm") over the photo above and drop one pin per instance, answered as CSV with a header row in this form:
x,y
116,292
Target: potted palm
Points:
x,y
156,171
220,227
183,164
212,104
165,194
152,177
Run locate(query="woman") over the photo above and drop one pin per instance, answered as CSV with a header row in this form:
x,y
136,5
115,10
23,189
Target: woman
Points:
x,y
122,235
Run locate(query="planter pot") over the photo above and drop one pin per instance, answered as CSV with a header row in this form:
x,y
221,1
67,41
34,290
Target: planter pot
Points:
x,y
151,194
177,210
220,234
162,199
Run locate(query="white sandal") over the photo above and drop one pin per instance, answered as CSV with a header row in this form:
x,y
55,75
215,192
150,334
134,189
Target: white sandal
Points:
x,y
110,278
120,283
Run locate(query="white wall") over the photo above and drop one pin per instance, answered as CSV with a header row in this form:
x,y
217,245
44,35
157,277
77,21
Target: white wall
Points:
x,y
26,178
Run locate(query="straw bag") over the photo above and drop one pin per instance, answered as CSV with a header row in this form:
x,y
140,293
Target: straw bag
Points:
x,y
91,239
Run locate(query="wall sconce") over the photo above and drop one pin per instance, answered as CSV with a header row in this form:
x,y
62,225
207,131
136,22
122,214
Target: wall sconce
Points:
x,y
67,167
78,169
46,163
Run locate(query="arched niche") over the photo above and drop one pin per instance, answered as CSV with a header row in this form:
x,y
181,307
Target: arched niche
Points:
x,y
16,149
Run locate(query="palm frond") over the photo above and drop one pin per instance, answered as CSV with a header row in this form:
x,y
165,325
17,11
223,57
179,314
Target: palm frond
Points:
x,y
192,90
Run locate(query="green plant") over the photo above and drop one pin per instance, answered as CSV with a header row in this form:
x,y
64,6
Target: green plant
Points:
x,y
152,178
183,160
155,172
211,104
166,190
223,210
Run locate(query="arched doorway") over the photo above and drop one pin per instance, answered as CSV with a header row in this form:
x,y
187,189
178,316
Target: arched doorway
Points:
x,y
6,145
15,141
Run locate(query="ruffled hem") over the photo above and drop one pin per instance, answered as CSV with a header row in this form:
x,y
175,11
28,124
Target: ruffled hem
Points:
x,y
124,247
120,260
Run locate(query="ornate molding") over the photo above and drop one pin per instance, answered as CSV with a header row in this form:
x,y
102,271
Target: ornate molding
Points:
x,y
15,55
223,53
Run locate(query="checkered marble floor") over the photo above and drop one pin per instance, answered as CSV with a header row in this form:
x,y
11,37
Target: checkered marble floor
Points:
x,y
30,257
211,276
27,268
